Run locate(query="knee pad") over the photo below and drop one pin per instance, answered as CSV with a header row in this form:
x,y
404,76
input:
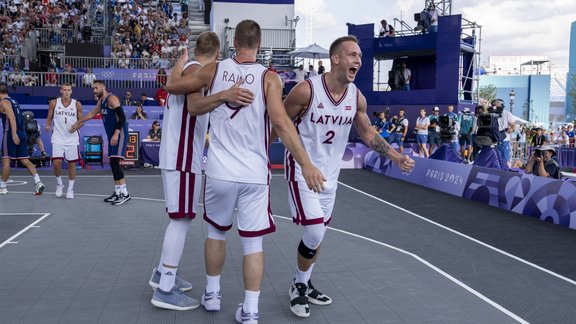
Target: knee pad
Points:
x,y
306,252
313,235
116,169
251,244
215,233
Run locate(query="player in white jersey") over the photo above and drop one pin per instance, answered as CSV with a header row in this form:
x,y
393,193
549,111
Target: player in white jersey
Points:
x,y
324,108
181,153
64,112
237,173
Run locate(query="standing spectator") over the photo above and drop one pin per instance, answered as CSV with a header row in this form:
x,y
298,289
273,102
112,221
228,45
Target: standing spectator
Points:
x,y
421,127
161,96
451,114
51,77
88,78
570,133
434,13
299,73
311,71
139,113
407,77
538,139
385,29
434,130
382,126
400,128
321,68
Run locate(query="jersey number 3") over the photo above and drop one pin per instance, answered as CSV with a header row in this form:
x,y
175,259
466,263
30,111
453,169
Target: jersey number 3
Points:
x,y
329,136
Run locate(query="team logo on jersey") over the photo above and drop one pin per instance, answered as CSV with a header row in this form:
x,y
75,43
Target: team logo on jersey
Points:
x,y
320,106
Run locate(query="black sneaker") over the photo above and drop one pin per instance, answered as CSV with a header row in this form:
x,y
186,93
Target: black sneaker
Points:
x,y
298,300
113,197
121,199
316,297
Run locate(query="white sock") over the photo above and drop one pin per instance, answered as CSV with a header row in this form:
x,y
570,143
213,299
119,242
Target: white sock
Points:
x,y
124,190
212,283
36,178
59,181
2,184
251,301
70,185
173,245
117,189
168,278
303,276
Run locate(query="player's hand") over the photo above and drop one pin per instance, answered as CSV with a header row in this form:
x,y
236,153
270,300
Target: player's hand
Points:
x,y
314,178
47,128
114,140
237,96
406,164
75,126
16,139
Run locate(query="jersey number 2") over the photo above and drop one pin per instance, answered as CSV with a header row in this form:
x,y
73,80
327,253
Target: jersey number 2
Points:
x,y
329,136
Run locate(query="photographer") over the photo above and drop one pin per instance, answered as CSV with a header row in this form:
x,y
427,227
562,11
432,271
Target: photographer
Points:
x,y
434,130
400,128
542,164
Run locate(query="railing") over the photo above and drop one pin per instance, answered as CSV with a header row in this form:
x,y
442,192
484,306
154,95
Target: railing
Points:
x,y
106,62
113,80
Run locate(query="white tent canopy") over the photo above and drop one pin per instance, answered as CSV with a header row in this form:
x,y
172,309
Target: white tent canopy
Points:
x,y
313,51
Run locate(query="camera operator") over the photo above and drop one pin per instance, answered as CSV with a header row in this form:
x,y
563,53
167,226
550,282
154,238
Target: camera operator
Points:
x,y
434,130
505,126
400,128
542,164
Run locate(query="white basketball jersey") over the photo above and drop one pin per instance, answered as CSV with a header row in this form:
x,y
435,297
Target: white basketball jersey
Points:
x,y
324,128
183,135
239,136
64,118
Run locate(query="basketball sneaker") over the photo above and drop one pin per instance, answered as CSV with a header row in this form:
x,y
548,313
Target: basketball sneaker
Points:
x,y
70,194
180,283
59,190
211,301
298,299
39,188
174,300
113,197
3,191
122,198
316,297
245,318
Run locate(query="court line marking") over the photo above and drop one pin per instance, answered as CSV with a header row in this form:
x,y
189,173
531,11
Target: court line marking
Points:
x,y
110,176
431,266
9,241
423,261
550,272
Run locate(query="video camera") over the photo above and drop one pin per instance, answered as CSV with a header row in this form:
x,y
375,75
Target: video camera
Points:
x,y
447,130
489,126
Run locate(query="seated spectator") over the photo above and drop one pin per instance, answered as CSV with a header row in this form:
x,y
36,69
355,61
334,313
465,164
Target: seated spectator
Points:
x,y
68,75
155,134
161,95
385,29
542,164
51,78
127,101
382,126
15,78
144,101
88,78
139,113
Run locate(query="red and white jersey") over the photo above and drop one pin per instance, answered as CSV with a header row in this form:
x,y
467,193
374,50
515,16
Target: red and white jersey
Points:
x,y
239,136
64,118
324,128
183,135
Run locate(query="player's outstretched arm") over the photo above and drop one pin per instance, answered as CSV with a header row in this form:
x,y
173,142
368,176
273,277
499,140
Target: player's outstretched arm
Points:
x,y
235,95
285,129
371,138
88,116
50,116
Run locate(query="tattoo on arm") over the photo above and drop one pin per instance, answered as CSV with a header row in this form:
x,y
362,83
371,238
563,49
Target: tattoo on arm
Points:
x,y
380,145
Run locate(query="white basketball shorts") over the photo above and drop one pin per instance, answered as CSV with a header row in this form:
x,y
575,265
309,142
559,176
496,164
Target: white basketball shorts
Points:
x,y
182,193
68,152
309,207
251,201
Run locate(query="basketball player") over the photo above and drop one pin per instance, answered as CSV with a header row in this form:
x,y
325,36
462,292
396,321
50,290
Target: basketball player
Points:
x,y
237,172
325,107
181,153
116,129
14,141
65,112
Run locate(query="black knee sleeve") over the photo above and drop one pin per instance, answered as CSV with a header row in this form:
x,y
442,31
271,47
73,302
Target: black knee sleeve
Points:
x,y
306,252
117,172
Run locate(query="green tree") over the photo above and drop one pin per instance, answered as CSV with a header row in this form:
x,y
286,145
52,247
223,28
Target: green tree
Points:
x,y
488,92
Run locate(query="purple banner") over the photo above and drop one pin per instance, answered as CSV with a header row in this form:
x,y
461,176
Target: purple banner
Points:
x,y
127,74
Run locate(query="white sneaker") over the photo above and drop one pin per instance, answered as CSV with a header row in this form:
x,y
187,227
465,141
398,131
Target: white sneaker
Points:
x,y
59,190
70,194
39,188
211,301
299,300
3,191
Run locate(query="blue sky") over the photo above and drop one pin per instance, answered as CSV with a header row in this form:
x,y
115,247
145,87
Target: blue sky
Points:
x,y
509,27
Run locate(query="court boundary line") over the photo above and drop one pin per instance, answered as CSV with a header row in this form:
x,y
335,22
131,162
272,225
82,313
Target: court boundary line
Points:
x,y
22,231
431,266
493,248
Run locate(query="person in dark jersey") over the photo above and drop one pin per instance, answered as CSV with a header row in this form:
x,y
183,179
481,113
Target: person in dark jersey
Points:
x,y
116,129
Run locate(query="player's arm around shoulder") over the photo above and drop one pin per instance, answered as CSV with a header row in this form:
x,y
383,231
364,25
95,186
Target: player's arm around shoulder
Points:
x,y
298,99
179,84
